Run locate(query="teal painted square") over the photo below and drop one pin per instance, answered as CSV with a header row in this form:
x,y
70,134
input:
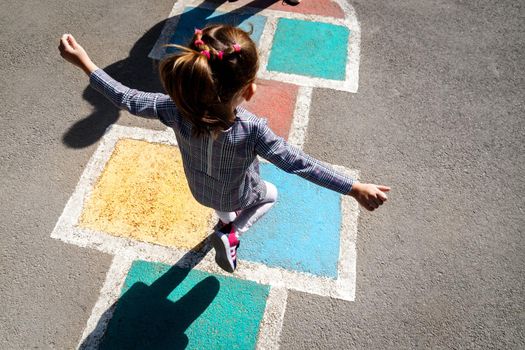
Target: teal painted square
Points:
x,y
196,17
166,307
302,230
309,48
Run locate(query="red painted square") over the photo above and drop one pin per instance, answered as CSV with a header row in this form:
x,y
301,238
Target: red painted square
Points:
x,y
275,101
328,8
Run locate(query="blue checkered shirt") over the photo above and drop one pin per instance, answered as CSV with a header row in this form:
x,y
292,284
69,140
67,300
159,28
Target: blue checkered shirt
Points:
x,y
223,172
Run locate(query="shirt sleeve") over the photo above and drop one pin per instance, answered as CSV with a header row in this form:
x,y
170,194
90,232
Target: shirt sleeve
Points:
x,y
144,104
294,161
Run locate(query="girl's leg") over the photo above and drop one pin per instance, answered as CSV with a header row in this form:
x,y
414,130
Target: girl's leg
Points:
x,y
250,215
226,216
226,243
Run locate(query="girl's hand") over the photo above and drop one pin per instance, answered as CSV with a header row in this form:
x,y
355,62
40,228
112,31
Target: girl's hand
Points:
x,y
368,195
72,52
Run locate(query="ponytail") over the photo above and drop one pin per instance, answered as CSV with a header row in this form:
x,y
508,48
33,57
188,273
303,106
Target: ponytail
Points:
x,y
204,78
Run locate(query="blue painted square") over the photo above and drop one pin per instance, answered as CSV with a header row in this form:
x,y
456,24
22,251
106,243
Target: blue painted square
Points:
x,y
166,307
310,48
301,232
196,17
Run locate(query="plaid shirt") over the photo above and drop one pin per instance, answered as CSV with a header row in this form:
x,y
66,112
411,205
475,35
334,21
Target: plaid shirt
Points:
x,y
223,172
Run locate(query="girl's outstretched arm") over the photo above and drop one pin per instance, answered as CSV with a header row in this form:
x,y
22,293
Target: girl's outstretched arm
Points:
x,y
292,160
370,196
72,52
144,104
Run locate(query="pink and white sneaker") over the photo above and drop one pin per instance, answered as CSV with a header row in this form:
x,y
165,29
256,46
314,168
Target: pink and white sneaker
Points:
x,y
225,245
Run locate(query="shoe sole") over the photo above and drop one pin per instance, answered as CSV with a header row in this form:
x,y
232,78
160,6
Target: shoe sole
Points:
x,y
222,252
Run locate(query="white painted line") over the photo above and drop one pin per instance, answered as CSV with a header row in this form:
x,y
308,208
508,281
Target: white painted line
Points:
x,y
105,306
301,114
347,265
265,43
273,318
340,85
67,230
351,82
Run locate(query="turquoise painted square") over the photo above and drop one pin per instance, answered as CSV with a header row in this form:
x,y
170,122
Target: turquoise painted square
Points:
x,y
312,49
195,17
302,230
166,307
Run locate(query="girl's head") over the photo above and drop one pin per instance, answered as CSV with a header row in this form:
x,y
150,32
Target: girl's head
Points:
x,y
208,79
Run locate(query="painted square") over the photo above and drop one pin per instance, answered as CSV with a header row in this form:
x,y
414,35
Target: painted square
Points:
x,y
166,307
195,17
312,49
275,101
301,232
143,194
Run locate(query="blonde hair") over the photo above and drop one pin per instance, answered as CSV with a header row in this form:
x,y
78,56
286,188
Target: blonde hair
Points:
x,y
205,77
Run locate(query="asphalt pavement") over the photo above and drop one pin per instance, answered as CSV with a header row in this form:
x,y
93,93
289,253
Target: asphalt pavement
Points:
x,y
439,116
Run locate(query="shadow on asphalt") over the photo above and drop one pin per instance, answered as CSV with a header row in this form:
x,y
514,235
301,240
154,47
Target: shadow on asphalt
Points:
x,y
144,317
139,72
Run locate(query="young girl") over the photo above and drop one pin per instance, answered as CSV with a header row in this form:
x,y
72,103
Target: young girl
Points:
x,y
219,140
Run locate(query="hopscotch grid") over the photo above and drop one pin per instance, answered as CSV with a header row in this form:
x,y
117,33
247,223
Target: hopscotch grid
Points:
x,y
280,280
67,230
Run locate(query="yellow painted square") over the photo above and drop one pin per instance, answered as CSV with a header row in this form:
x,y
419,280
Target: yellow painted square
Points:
x,y
143,194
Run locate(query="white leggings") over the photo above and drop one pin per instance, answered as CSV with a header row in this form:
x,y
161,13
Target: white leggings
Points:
x,y
247,217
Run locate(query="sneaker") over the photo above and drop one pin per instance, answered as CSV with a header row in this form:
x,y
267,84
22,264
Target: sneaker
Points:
x,y
226,245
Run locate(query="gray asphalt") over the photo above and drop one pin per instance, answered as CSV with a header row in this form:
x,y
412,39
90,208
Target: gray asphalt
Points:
x,y
439,116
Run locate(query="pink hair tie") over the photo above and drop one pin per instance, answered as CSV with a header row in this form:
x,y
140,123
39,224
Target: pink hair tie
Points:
x,y
236,47
198,31
198,42
220,55
206,53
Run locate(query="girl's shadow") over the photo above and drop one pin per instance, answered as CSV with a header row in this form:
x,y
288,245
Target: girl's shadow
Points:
x,y
137,70
140,72
144,317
